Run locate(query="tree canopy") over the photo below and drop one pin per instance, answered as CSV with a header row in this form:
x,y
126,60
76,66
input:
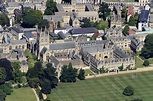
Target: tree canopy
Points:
x,y
132,21
45,77
8,68
81,74
104,10
2,75
43,24
31,17
126,29
128,91
17,75
50,7
4,20
68,74
147,50
101,25
146,63
124,13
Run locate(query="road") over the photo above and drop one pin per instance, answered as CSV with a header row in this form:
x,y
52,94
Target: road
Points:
x,y
121,72
35,94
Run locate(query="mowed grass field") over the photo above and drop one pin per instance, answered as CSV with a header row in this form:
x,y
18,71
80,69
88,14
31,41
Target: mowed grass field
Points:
x,y
106,88
21,94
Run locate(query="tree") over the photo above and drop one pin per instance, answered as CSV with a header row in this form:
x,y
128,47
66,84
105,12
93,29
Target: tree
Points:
x,y
33,82
128,91
4,20
104,11
147,50
31,17
43,24
68,74
2,95
6,89
45,86
37,15
102,25
125,30
50,7
81,74
132,21
86,23
146,63
34,72
120,67
29,21
136,16
2,75
124,13
17,75
48,79
8,68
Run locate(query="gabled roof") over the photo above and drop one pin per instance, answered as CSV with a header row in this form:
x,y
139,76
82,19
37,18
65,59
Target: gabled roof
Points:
x,y
43,50
16,29
28,34
83,30
144,16
18,42
60,46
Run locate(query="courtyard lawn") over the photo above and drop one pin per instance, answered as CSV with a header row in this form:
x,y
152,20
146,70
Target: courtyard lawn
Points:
x,y
106,88
88,72
150,60
21,94
138,62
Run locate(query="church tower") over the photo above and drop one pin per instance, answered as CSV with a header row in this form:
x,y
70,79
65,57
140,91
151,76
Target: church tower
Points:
x,y
43,39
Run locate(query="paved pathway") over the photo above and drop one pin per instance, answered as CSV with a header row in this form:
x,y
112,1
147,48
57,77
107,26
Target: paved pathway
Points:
x,y
121,72
35,94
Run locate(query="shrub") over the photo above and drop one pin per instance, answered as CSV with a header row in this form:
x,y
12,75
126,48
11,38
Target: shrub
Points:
x,y
128,91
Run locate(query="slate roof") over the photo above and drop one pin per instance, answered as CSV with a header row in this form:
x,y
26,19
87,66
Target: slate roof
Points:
x,y
17,11
23,62
83,30
94,49
16,29
60,46
144,16
120,53
53,34
43,50
18,42
13,4
62,35
28,34
54,60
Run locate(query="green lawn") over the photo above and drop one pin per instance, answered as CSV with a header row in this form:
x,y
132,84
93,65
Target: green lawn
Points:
x,y
138,62
150,60
88,71
21,94
106,88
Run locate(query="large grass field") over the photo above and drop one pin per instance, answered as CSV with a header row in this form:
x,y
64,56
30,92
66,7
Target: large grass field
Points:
x,y
21,94
106,88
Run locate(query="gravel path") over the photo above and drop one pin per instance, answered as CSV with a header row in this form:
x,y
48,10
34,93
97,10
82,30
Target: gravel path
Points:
x,y
121,72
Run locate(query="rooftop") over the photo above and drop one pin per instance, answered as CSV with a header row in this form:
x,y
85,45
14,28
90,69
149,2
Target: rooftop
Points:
x,y
144,16
83,30
60,46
